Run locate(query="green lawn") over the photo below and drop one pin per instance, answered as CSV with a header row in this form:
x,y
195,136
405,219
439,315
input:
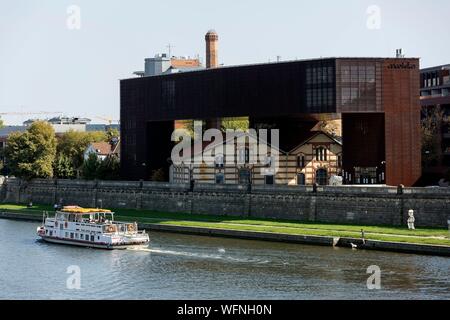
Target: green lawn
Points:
x,y
383,233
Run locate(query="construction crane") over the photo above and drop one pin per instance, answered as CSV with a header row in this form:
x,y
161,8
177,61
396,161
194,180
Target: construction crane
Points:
x,y
29,113
110,120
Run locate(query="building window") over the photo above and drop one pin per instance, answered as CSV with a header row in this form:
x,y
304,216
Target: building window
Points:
x,y
269,179
322,177
219,161
244,156
268,161
244,176
220,178
339,161
301,179
301,161
321,154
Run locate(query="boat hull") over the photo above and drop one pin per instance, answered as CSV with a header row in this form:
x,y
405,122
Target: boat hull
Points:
x,y
93,245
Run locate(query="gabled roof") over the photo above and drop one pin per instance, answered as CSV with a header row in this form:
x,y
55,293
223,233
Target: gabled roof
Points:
x,y
208,145
315,134
102,148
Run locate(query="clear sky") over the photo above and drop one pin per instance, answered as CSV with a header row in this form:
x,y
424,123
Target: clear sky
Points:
x,y
46,66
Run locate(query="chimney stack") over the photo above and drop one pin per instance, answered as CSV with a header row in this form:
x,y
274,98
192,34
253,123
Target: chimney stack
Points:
x,y
212,58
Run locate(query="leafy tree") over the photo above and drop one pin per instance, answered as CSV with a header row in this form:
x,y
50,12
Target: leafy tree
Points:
x,y
63,167
158,175
109,169
31,153
332,127
235,124
1,123
431,141
72,144
95,168
111,134
91,167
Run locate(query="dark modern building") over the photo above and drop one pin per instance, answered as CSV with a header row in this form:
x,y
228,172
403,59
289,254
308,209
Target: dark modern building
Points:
x,y
434,95
377,99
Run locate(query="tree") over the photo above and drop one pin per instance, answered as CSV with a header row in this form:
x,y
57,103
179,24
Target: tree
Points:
x,y
431,139
91,167
112,134
241,124
72,144
1,123
331,127
63,167
109,169
158,175
31,153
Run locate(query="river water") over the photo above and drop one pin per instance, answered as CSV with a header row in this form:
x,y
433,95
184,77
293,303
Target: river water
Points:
x,y
190,267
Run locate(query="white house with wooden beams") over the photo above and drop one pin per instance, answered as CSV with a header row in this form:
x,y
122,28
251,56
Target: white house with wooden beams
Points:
x,y
315,160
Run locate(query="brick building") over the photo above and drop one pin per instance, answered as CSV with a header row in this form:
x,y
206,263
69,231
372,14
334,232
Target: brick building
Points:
x,y
314,160
435,96
376,98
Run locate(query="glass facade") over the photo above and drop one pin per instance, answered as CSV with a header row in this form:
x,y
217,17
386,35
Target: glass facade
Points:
x,y
359,86
320,87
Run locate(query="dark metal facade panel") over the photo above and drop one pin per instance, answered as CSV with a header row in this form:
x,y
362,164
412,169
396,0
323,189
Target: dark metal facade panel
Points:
x,y
275,89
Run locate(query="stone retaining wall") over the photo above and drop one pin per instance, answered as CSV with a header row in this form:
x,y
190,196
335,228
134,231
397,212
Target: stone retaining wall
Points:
x,y
354,205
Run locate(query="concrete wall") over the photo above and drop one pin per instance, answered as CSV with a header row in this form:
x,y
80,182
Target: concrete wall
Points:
x,y
365,205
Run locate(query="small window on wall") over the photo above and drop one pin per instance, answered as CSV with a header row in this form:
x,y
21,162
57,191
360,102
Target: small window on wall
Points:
x,y
339,161
244,156
220,178
219,161
269,180
301,161
301,180
321,154
322,177
244,176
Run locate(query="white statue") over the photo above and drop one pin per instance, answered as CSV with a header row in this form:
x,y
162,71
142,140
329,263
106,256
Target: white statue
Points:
x,y
411,220
336,180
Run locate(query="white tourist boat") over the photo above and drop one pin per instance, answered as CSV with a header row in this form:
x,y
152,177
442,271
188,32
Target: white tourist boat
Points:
x,y
93,228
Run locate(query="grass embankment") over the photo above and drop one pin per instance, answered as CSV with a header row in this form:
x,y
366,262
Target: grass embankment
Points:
x,y
433,236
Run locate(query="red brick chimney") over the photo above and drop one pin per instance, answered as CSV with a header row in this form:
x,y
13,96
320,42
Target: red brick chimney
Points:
x,y
212,57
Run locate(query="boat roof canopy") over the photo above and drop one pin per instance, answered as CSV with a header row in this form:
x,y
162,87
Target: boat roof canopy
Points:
x,y
80,210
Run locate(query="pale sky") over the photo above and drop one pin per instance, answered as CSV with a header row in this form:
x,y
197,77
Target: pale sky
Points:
x,y
45,66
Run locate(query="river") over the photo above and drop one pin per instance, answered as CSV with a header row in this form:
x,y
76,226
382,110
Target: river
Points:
x,y
190,267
